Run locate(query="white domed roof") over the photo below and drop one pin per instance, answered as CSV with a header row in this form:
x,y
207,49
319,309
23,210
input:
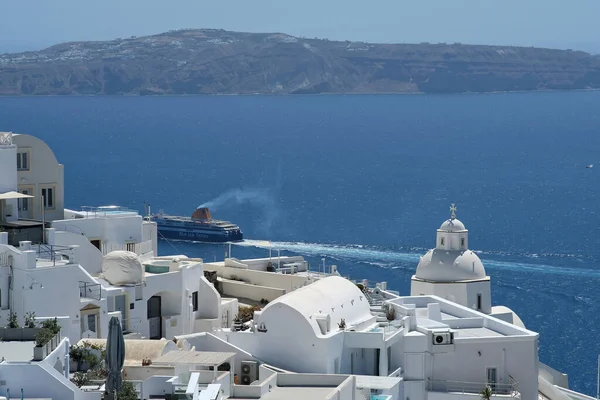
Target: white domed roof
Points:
x,y
441,265
452,225
122,268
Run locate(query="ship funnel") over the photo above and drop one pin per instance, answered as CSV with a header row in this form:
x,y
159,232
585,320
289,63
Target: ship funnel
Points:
x,y
202,214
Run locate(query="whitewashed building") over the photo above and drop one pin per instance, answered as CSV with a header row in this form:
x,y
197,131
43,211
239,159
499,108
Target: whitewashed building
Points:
x,y
93,263
330,327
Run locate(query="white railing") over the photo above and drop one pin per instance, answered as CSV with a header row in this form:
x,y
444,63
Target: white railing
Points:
x,y
5,138
471,387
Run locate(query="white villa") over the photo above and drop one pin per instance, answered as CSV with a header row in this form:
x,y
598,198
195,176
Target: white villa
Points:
x,y
320,336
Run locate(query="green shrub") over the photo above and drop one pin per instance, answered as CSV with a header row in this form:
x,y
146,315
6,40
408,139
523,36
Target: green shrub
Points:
x,y
127,391
30,320
52,325
13,321
43,336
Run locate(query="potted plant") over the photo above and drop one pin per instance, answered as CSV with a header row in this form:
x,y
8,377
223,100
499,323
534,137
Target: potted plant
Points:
x,y
75,357
390,312
486,393
12,330
42,339
13,321
53,326
29,329
342,324
237,323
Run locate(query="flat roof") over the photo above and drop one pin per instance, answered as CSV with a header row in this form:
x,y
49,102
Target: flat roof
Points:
x,y
205,358
475,332
16,351
463,321
296,393
376,382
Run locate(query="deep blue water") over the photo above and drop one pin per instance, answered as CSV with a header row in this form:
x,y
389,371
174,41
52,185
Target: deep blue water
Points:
x,y
364,181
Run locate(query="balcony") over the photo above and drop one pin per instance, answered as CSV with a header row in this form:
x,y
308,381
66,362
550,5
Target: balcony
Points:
x,y
90,290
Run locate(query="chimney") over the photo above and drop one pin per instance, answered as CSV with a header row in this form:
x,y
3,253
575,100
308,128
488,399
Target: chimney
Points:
x,y
202,214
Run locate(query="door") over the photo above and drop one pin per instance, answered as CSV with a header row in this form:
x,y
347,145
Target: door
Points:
x,y
155,317
121,305
25,205
492,378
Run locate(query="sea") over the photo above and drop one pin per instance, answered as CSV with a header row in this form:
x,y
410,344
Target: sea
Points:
x,y
363,182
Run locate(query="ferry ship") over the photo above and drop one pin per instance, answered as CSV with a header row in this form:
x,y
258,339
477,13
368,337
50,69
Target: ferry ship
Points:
x,y
199,227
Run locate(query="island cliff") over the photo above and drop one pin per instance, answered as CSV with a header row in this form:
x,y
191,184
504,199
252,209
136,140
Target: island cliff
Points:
x,y
204,61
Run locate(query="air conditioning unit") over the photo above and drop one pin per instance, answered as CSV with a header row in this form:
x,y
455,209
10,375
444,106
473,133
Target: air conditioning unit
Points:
x,y
249,372
443,338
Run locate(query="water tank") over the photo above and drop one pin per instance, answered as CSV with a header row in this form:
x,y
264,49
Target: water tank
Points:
x,y
122,268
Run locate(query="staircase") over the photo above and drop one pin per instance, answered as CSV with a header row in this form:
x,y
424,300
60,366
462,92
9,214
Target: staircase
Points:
x,y
376,306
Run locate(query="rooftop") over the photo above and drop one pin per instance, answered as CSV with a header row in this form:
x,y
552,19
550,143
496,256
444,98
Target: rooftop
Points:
x,y
204,358
16,351
465,322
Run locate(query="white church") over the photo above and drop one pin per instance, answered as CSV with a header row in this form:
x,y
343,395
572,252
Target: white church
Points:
x,y
453,272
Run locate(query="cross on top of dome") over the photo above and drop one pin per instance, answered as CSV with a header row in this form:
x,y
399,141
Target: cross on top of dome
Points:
x,y
453,211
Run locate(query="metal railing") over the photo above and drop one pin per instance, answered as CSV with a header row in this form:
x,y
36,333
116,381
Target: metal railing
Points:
x,y
510,388
51,252
90,290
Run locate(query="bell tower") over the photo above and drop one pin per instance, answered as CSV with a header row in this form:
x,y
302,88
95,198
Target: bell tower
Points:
x,y
452,235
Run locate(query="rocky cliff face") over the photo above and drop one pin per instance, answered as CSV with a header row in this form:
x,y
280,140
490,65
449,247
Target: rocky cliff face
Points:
x,y
221,62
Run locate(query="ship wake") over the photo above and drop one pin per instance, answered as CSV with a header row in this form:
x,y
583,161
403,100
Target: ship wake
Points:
x,y
394,259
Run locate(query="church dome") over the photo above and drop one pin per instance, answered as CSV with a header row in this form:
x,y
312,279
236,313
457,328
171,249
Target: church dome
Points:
x,y
441,265
452,225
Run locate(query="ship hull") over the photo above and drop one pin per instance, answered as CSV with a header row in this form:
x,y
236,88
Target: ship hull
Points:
x,y
198,236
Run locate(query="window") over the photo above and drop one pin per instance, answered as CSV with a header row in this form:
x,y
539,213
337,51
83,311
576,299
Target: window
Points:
x,y
462,242
442,241
479,301
24,203
131,247
48,197
23,161
195,301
